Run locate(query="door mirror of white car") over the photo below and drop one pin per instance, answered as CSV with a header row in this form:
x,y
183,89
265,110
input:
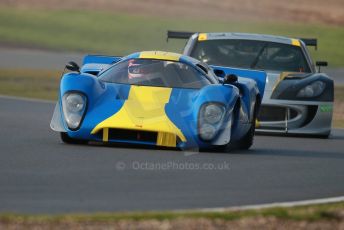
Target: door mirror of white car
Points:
x,y
319,64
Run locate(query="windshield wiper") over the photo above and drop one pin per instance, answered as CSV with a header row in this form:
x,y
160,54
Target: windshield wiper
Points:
x,y
255,61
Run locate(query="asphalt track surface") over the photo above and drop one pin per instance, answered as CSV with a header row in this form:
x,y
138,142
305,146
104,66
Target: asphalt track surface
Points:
x,y
39,174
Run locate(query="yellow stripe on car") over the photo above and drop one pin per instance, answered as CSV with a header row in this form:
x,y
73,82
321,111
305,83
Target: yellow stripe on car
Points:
x,y
160,55
295,42
144,110
202,37
257,123
105,134
281,78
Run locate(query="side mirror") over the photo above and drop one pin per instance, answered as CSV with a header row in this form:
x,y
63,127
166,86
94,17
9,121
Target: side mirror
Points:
x,y
72,66
320,64
230,79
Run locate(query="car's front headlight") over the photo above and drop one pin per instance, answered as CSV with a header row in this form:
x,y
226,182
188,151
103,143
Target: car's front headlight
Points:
x,y
210,119
312,90
73,106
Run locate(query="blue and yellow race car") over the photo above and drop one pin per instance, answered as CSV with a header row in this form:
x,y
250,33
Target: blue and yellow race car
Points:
x,y
159,99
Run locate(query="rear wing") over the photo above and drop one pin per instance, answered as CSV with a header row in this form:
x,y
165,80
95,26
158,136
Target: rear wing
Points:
x,y
179,34
310,42
93,64
187,34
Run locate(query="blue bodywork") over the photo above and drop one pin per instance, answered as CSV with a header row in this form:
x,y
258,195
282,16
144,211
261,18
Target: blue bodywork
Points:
x,y
106,99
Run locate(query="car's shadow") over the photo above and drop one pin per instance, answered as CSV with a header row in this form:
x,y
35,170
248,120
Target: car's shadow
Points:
x,y
254,151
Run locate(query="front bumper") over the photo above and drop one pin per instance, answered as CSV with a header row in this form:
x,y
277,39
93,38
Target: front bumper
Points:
x,y
295,117
139,137
142,136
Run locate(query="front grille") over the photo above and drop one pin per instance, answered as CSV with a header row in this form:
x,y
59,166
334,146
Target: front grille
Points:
x,y
132,135
144,137
270,113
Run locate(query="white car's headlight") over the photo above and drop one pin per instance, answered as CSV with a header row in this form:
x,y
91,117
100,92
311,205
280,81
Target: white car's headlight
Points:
x,y
210,119
73,106
312,90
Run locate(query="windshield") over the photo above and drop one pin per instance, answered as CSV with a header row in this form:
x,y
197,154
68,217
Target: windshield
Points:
x,y
250,54
149,72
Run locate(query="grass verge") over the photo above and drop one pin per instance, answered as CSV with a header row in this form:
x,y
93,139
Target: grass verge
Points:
x,y
42,84
338,112
120,34
332,213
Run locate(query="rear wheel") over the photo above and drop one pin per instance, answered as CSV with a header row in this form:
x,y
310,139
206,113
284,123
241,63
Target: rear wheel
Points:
x,y
67,139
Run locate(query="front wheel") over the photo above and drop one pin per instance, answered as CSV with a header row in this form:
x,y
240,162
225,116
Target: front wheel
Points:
x,y
243,144
68,140
247,141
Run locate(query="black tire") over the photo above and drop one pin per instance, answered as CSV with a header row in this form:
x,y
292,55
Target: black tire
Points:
x,y
247,141
68,140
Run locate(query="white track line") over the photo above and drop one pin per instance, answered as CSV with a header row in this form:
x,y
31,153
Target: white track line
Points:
x,y
26,99
270,205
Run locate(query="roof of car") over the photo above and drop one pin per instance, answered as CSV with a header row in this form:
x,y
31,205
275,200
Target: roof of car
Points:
x,y
162,55
248,36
